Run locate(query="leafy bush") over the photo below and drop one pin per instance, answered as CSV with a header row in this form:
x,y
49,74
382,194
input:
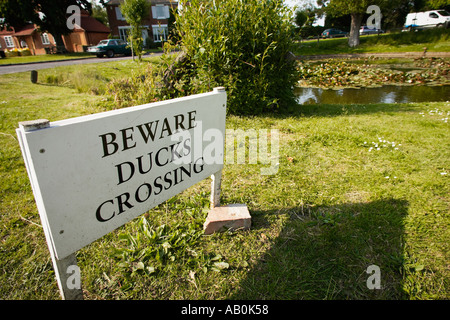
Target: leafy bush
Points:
x,y
243,45
139,88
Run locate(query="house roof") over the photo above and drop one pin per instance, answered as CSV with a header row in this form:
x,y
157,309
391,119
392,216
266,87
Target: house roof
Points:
x,y
90,24
26,30
6,32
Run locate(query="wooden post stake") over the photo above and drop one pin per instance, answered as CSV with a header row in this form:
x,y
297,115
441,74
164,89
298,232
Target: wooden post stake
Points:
x,y
215,189
66,270
216,177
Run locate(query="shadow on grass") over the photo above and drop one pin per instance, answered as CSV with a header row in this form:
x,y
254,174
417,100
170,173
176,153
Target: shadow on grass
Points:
x,y
324,252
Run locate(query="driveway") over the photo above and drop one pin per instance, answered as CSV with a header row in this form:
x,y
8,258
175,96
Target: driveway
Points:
x,y
5,69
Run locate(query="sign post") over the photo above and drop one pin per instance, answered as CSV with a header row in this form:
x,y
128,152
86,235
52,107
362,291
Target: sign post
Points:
x,y
92,174
60,266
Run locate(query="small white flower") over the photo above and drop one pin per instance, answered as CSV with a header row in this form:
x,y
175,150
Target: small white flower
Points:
x,y
395,148
443,173
378,149
386,177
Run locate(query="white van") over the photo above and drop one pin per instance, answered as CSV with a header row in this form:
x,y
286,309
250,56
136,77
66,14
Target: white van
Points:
x,y
427,19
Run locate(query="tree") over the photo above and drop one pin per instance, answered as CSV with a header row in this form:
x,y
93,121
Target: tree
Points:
x,y
304,17
356,9
99,13
134,12
243,45
438,4
424,5
300,18
49,15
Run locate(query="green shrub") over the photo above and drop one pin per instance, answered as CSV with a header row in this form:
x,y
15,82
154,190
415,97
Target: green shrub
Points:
x,y
243,45
140,88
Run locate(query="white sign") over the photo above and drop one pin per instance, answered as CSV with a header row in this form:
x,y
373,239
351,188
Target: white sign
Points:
x,y
92,174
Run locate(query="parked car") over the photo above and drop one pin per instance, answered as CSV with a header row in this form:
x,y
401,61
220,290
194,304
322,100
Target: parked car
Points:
x,y
110,47
366,30
427,19
334,33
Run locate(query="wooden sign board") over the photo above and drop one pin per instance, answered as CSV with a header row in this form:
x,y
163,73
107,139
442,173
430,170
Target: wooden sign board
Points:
x,y
92,174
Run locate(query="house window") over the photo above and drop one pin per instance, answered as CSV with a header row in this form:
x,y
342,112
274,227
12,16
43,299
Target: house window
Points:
x,y
9,41
45,38
119,15
160,11
160,32
123,33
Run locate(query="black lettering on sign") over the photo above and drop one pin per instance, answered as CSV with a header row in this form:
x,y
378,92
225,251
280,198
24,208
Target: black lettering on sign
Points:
x,y
109,209
129,138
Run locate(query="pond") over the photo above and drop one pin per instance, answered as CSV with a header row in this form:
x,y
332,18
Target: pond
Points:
x,y
384,94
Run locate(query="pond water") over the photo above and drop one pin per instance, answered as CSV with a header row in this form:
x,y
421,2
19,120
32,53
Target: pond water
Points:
x,y
385,94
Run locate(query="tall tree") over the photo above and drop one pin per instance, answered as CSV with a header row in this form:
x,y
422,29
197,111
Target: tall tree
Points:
x,y
49,15
99,13
134,12
356,9
438,4
305,17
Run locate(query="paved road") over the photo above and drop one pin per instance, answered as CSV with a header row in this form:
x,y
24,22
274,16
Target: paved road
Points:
x,y
5,69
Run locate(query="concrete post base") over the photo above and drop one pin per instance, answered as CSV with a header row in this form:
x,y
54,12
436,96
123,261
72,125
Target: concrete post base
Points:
x,y
230,217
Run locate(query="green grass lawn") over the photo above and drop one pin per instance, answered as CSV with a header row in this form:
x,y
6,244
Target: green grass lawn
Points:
x,y
44,58
334,208
435,40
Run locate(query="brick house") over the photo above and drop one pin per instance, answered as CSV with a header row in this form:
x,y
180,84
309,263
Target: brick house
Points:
x,y
89,32
155,25
26,37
